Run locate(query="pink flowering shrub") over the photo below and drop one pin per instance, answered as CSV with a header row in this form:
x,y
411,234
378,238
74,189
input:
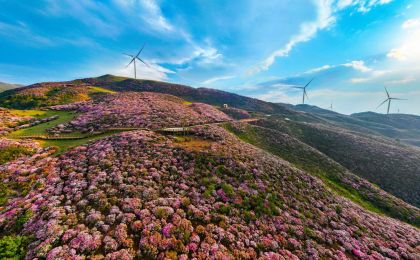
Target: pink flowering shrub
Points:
x,y
8,121
121,198
142,110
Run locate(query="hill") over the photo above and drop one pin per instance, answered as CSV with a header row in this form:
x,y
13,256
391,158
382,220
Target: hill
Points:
x,y
334,175
48,94
400,127
141,194
6,86
390,165
281,183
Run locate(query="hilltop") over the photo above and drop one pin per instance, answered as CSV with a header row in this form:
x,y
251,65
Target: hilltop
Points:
x,y
118,168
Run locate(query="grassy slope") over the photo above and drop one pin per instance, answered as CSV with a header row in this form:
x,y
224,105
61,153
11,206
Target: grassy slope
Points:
x,y
335,176
64,116
23,98
392,166
403,127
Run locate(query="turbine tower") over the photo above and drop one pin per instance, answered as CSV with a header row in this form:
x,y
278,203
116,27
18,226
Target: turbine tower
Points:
x,y
331,106
389,99
133,60
304,91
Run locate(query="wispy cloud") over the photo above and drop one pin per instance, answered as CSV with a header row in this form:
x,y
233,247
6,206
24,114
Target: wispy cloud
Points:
x,y
154,15
307,31
149,12
363,6
23,33
214,79
358,65
326,16
402,81
94,14
411,23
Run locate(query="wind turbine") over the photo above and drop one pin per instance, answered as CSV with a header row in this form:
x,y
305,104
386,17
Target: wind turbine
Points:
x,y
304,91
134,58
389,99
331,106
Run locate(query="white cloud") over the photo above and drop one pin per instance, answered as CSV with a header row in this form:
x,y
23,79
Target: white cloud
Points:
x,y
319,69
409,49
147,10
402,81
411,23
154,15
94,14
212,80
22,33
326,11
358,65
397,53
363,6
153,72
307,32
359,80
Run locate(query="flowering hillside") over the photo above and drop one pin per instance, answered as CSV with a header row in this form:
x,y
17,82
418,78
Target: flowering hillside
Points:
x,y
9,120
143,110
334,175
140,194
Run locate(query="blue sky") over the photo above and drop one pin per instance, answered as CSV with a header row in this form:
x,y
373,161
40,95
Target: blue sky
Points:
x,y
263,49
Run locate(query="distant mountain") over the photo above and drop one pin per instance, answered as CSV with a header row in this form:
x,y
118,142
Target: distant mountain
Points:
x,y
7,86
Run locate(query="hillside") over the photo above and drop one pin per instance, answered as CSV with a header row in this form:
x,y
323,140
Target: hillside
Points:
x,y
137,110
146,195
116,168
400,127
6,86
334,175
48,94
392,166
205,95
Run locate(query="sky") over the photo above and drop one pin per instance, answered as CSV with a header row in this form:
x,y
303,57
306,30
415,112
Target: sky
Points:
x,y
353,49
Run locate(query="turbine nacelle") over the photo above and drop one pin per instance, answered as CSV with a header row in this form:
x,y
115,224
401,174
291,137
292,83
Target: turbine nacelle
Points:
x,y
304,91
389,99
134,58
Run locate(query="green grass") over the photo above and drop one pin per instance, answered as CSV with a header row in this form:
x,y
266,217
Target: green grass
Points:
x,y
100,90
63,117
64,145
13,152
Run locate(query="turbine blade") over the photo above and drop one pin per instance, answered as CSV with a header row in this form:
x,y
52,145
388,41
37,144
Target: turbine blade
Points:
x,y
309,83
130,62
383,102
306,94
387,92
140,50
143,62
129,55
399,98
